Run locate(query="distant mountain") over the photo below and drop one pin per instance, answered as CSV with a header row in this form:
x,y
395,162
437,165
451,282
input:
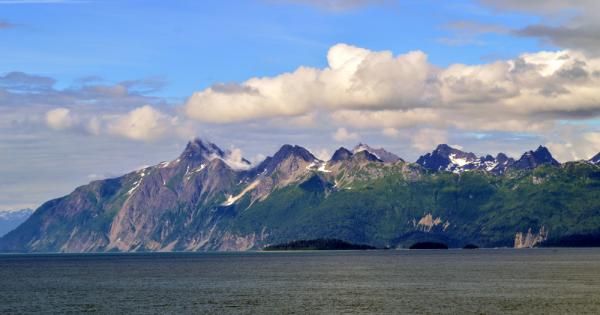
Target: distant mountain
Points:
x,y
595,159
446,158
9,220
533,159
341,154
207,199
380,153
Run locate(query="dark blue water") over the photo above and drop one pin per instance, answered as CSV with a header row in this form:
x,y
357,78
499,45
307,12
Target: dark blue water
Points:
x,y
540,281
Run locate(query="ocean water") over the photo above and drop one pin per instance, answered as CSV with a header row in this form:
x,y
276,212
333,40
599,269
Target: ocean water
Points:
x,y
485,281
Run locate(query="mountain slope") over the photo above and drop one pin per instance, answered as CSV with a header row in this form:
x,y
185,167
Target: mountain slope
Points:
x,y
446,158
11,219
203,200
595,159
380,153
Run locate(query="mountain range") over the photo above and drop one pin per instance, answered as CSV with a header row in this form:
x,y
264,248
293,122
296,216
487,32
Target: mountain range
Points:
x,y
206,200
10,219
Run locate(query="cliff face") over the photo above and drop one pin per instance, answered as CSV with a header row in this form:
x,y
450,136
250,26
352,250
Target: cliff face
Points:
x,y
529,239
200,202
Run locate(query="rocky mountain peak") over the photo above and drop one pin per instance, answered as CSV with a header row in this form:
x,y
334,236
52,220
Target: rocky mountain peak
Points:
x,y
380,153
533,159
288,150
199,149
446,150
445,157
341,154
501,158
595,159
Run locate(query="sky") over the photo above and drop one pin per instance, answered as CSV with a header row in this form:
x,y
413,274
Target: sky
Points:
x,y
91,89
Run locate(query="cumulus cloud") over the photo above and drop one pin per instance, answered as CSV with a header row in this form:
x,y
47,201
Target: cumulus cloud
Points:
x,y
388,118
92,106
375,89
574,143
341,135
425,139
143,123
355,78
60,119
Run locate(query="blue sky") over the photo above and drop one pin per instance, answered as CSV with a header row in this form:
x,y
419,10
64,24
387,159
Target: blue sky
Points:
x,y
193,44
94,89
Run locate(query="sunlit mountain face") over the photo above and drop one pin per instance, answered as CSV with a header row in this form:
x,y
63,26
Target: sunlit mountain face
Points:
x,y
209,199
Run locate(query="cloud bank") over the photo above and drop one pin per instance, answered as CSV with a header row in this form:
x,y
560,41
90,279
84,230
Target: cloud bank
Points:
x,y
365,89
360,91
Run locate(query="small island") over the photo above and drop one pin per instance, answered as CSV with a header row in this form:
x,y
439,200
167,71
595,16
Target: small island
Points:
x,y
428,245
318,244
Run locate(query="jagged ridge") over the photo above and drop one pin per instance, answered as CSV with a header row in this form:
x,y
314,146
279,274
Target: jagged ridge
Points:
x,y
201,201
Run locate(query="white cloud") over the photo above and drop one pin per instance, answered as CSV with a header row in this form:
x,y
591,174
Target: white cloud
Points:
x,y
388,118
367,89
397,94
390,132
143,123
575,145
235,159
356,78
60,118
322,154
342,135
427,139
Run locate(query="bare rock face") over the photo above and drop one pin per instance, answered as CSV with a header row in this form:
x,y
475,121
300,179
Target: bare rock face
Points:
x,y
428,222
529,239
149,218
380,154
183,204
173,205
